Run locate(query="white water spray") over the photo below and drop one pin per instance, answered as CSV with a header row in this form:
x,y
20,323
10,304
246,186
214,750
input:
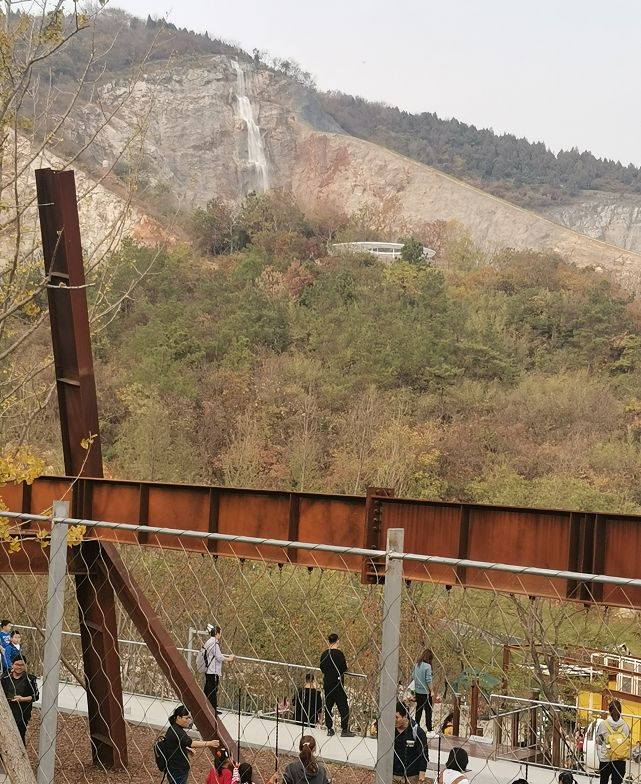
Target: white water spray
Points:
x,y
256,157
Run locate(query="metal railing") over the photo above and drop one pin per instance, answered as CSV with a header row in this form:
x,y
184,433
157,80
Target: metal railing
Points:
x,y
544,734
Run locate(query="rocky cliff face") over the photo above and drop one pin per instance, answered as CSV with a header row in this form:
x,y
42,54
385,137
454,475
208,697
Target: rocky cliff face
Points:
x,y
196,143
611,217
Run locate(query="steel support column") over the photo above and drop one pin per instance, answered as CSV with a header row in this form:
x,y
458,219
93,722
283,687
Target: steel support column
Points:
x,y
99,637
69,317
78,406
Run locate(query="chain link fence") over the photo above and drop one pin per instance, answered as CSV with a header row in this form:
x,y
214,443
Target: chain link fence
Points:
x,y
517,680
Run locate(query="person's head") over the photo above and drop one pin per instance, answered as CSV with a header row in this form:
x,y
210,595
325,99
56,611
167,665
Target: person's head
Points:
x,y
309,678
520,781
614,709
426,656
5,625
223,760
565,777
332,639
15,637
307,748
457,759
18,667
402,717
181,717
245,771
215,631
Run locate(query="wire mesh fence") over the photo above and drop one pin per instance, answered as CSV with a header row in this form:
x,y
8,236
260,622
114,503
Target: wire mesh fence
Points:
x,y
519,680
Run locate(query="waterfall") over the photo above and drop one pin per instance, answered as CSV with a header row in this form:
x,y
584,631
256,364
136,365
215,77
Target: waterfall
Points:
x,y
256,157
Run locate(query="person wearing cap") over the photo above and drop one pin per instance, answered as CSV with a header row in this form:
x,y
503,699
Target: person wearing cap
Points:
x,y
214,659
410,749
455,767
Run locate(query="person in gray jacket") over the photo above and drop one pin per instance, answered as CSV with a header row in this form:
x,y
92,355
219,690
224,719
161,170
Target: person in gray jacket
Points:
x,y
611,734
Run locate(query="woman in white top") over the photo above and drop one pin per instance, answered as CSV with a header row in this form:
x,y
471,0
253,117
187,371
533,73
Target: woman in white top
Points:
x,y
455,767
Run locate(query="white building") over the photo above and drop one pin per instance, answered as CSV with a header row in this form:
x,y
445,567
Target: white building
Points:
x,y
384,250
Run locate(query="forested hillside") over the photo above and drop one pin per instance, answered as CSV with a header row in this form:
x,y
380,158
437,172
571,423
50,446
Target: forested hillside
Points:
x,y
515,169
279,366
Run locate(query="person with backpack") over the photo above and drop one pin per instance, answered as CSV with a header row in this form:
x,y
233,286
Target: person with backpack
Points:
x,y
213,660
410,749
173,749
422,677
613,745
306,769
455,767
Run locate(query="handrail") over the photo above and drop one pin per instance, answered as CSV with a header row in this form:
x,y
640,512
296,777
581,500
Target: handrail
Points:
x,y
190,650
545,703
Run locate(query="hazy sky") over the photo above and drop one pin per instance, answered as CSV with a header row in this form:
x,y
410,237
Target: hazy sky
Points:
x,y
565,72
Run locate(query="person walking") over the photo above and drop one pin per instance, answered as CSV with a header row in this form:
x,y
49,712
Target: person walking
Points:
x,y
308,703
334,666
410,749
179,745
613,745
422,677
214,659
306,769
21,690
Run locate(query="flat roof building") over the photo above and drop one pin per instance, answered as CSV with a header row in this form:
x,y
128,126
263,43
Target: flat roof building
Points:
x,y
385,250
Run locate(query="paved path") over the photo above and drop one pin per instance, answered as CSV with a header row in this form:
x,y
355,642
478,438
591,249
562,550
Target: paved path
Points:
x,y
260,732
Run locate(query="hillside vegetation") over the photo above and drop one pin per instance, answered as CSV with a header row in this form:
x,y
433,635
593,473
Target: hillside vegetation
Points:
x,y
276,365
526,173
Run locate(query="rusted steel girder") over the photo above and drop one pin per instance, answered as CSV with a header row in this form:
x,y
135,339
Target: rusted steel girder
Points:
x,y
170,661
77,403
607,544
69,317
99,640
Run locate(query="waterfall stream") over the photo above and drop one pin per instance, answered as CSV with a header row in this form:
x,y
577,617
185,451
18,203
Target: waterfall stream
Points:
x,y
256,157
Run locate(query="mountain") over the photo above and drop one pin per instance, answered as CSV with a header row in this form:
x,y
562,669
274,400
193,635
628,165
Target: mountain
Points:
x,y
196,145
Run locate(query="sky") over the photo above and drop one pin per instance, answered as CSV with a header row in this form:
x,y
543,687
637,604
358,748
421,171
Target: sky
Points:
x,y
565,72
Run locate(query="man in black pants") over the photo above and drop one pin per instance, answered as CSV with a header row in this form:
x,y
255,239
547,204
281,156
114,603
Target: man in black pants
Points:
x,y
214,659
613,745
333,666
21,690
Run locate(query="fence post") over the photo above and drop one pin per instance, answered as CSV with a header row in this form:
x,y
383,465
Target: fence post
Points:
x,y
53,645
390,644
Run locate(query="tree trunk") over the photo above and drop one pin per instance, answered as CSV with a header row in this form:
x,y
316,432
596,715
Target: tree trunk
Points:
x,y
12,750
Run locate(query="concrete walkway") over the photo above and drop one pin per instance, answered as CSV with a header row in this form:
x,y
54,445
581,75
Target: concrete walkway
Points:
x,y
260,732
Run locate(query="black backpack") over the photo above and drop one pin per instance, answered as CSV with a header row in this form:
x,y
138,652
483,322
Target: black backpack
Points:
x,y
160,753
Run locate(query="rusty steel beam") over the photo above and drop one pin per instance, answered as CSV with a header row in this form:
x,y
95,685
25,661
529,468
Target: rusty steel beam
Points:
x,y
97,616
78,406
69,317
607,544
170,661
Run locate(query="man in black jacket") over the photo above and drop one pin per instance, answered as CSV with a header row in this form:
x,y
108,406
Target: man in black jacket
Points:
x,y
21,690
308,703
410,749
333,666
